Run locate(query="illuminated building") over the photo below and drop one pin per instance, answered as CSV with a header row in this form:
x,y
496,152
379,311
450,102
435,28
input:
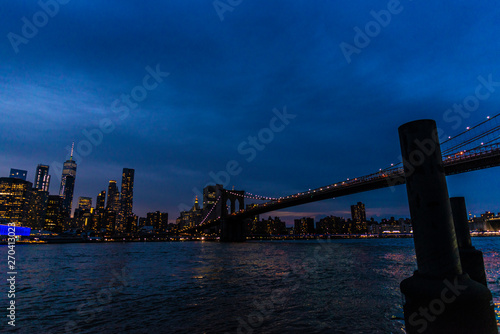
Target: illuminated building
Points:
x,y
358,213
15,196
127,198
303,226
100,210
18,174
68,183
268,227
54,217
113,201
131,224
83,214
101,198
159,220
85,203
42,178
190,218
37,208
332,225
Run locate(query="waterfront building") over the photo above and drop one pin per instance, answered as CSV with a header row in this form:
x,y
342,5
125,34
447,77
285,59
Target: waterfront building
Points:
x,y
37,208
54,218
157,219
331,225
358,213
268,226
304,226
190,218
15,197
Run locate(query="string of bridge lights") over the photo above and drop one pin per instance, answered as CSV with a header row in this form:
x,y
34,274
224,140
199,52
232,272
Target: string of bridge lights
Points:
x,y
393,168
209,212
446,153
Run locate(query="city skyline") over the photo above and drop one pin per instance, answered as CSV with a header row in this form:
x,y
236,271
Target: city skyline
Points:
x,y
289,103
120,201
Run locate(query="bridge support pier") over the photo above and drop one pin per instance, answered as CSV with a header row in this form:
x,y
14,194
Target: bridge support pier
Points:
x,y
232,230
439,297
471,258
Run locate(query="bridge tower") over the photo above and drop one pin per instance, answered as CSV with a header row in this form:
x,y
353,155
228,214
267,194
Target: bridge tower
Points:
x,y
232,230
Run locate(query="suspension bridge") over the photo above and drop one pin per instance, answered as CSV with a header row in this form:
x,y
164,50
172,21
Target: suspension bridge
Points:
x,y
478,147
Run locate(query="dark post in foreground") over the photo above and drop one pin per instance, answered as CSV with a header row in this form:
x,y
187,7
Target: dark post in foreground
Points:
x,y
439,297
471,258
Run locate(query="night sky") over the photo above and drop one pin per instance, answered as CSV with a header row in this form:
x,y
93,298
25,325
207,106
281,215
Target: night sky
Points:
x,y
221,72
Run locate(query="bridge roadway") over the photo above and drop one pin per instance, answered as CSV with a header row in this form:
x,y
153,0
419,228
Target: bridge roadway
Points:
x,y
462,162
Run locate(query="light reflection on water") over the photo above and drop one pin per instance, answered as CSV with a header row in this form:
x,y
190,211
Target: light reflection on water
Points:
x,y
335,286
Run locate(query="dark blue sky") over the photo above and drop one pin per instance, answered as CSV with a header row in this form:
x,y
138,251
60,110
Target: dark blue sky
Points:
x,y
225,79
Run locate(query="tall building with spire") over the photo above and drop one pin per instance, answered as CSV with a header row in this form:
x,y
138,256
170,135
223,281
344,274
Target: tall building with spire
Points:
x,y
68,182
42,178
127,196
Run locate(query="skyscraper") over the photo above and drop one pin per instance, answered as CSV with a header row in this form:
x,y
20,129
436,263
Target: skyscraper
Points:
x,y
113,201
100,211
55,215
358,212
101,198
127,196
68,183
37,208
18,174
84,213
42,178
159,220
85,203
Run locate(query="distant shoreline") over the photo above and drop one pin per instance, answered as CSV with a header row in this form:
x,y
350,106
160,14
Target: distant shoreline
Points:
x,y
253,238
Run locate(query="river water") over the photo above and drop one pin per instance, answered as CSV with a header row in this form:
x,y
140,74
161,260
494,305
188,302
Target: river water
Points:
x,y
328,286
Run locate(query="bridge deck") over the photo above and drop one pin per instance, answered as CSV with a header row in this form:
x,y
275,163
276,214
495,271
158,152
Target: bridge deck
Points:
x,y
485,157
